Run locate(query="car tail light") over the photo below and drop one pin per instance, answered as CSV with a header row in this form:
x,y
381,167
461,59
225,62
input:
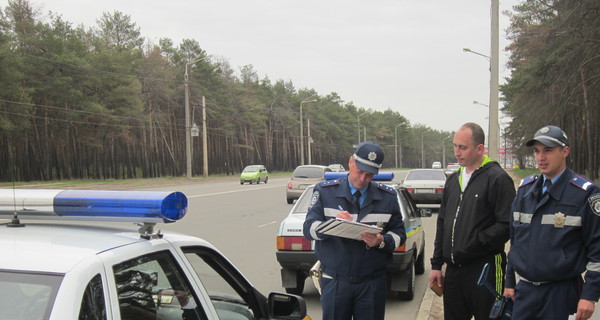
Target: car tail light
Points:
x,y
439,190
293,243
290,185
401,248
411,190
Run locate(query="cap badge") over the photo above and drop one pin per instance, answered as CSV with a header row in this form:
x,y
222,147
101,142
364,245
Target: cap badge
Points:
x,y
372,156
544,130
559,220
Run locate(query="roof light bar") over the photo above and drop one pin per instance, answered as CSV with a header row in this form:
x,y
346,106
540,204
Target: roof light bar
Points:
x,y
93,205
381,176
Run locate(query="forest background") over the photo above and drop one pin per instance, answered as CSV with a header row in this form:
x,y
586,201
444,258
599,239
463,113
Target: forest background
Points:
x,y
104,103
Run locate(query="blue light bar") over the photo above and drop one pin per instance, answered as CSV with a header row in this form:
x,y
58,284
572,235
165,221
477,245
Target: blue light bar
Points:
x,y
381,176
93,205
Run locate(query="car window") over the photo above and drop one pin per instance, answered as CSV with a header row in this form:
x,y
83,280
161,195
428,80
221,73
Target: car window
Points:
x,y
302,203
406,205
229,292
308,172
27,295
93,306
250,169
426,175
154,287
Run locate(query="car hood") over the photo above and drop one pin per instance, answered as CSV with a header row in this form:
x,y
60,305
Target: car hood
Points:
x,y
249,174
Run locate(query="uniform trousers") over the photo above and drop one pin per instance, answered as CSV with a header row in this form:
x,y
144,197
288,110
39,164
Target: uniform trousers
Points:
x,y
341,300
546,301
463,298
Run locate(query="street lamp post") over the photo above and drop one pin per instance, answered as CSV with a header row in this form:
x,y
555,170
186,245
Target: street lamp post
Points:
x,y
444,150
302,127
188,126
423,149
358,124
396,142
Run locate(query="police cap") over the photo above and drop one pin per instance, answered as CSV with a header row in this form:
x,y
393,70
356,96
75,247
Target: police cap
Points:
x,y
550,136
368,156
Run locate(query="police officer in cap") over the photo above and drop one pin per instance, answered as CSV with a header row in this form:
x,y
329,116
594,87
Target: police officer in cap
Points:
x,y
353,281
554,237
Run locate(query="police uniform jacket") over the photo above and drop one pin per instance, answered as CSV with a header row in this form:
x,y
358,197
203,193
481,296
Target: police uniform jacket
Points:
x,y
556,237
473,224
347,259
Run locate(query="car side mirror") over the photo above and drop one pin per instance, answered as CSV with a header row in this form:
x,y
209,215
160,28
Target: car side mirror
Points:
x,y
286,306
424,213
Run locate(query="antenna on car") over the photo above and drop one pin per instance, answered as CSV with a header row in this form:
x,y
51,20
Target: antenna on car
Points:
x,y
15,222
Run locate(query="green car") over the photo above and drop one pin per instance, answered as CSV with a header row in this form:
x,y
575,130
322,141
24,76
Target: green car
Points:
x,y
254,173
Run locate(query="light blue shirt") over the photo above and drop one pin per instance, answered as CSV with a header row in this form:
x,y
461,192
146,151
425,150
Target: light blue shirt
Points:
x,y
544,187
363,193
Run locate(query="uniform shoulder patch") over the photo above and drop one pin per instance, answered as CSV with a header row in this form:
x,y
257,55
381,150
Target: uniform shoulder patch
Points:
x,y
594,201
528,180
329,183
386,188
581,182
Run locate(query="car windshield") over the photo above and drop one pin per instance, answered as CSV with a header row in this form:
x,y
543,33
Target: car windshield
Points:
x,y
302,203
27,295
308,172
426,175
251,169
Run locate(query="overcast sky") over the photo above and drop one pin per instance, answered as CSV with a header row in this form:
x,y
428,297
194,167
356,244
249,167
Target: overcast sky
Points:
x,y
379,54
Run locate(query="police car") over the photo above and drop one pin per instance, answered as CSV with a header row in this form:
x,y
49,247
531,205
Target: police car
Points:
x,y
296,254
51,268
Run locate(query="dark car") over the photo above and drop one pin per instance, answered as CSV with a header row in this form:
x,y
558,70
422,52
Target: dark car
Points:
x,y
296,254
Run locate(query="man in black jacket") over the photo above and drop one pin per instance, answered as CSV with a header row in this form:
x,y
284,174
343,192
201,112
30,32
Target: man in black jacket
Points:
x,y
472,228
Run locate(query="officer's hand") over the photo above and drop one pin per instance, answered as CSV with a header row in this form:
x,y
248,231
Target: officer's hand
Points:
x,y
585,309
344,215
372,240
436,276
509,293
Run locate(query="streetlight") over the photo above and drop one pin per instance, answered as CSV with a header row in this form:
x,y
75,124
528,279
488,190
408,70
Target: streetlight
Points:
x,y
396,142
302,127
482,104
444,149
358,124
188,126
423,149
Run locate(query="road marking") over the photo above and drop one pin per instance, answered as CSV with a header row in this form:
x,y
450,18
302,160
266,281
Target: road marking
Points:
x,y
267,224
233,191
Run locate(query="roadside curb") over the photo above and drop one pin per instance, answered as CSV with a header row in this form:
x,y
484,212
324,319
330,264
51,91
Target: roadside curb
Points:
x,y
431,307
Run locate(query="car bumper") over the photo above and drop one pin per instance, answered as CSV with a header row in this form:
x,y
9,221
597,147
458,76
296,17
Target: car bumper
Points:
x,y
293,193
297,260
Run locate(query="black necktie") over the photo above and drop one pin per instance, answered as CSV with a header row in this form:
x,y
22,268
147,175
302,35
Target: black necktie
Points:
x,y
357,195
547,184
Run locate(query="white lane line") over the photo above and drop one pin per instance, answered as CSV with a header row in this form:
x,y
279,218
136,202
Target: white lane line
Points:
x,y
234,191
267,224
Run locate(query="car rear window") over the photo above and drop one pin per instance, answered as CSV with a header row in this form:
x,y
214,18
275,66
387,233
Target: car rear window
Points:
x,y
305,172
426,175
27,295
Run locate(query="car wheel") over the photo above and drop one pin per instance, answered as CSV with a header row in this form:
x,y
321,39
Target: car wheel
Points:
x,y
290,201
300,279
241,182
266,179
258,180
409,294
420,264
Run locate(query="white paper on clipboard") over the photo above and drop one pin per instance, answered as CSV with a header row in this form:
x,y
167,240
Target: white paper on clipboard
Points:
x,y
347,229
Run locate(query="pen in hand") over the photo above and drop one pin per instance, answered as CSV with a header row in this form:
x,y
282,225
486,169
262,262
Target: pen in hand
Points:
x,y
343,214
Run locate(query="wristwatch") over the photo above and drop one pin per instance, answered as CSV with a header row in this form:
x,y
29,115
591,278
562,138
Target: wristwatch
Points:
x,y
382,244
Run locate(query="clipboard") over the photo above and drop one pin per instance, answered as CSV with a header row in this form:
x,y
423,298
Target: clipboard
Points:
x,y
346,228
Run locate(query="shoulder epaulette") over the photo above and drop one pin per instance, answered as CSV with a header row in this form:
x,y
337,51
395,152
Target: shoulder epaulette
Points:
x,y
581,182
386,188
329,183
528,180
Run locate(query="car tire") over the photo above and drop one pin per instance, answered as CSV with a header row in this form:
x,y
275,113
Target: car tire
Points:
x,y
258,180
409,294
300,279
266,179
420,264
290,201
241,183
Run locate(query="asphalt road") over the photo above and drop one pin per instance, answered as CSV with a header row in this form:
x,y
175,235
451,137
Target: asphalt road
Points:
x,y
242,221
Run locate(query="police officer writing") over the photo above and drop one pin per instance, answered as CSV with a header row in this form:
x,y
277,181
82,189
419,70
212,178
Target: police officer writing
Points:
x,y
472,228
353,281
554,237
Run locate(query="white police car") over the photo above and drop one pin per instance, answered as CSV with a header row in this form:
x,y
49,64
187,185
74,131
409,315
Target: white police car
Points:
x,y
296,254
100,270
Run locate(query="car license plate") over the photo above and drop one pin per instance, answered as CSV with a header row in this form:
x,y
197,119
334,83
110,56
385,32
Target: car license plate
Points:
x,y
423,190
303,186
